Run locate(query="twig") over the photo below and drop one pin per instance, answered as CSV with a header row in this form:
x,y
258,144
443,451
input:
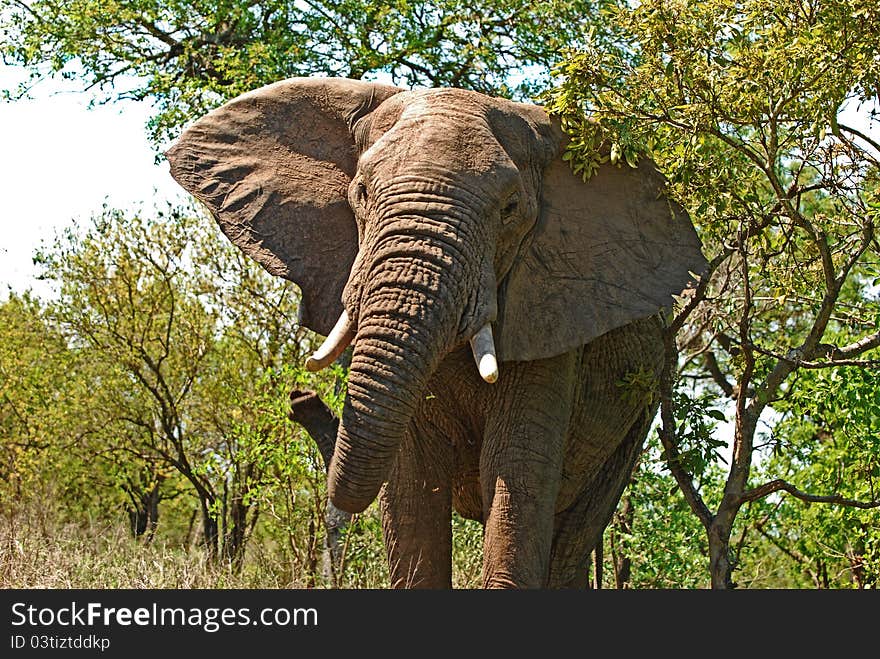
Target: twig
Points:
x,y
666,432
859,134
781,485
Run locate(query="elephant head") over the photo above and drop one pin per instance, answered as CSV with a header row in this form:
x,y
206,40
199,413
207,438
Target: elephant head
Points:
x,y
423,220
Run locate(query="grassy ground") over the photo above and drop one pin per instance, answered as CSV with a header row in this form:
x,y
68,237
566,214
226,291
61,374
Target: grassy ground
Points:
x,y
48,555
39,551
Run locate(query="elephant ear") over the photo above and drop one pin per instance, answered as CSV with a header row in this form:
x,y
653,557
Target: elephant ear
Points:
x,y
604,253
273,166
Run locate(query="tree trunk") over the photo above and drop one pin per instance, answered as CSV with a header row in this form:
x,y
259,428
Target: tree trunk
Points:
x,y
210,529
143,515
623,521
721,561
307,409
190,527
720,564
235,538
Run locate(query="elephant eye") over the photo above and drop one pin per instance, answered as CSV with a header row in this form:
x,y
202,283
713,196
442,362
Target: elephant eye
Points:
x,y
358,195
509,209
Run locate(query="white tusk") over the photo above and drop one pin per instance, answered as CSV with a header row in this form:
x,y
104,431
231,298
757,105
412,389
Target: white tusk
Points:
x,y
483,347
337,341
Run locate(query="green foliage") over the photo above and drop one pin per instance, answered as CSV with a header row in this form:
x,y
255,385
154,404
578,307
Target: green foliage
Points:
x,y
699,443
639,387
656,532
34,364
467,553
828,440
363,562
188,350
189,56
738,104
163,367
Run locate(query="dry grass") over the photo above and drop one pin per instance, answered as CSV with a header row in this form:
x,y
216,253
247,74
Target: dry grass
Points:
x,y
38,553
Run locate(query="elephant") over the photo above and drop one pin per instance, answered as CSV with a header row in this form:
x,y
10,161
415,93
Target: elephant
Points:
x,y
505,317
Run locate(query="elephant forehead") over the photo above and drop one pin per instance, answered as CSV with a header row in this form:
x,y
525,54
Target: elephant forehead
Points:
x,y
497,126
463,101
426,103
437,130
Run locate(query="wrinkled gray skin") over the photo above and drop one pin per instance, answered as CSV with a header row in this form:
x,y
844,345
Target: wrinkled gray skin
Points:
x,y
426,215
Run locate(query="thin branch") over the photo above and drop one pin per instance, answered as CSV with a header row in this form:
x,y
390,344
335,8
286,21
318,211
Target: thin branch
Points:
x,y
154,31
856,348
29,10
783,367
698,295
667,437
862,363
860,135
794,555
864,244
428,73
715,371
794,360
781,485
699,292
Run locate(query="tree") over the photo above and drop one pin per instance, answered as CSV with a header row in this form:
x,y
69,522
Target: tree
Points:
x,y
184,338
189,56
653,540
47,426
738,104
830,430
123,298
34,361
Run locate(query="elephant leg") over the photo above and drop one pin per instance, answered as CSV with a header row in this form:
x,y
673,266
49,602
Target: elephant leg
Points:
x,y
416,505
579,527
520,467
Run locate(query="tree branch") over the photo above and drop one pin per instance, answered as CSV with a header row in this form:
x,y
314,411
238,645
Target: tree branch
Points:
x,y
794,359
666,432
699,292
715,371
746,415
154,31
860,135
781,485
29,10
857,347
795,556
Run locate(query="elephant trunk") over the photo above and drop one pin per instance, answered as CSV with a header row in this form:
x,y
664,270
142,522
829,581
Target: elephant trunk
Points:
x,y
380,403
411,310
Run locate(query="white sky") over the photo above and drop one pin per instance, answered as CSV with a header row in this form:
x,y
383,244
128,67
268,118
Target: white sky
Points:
x,y
62,161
